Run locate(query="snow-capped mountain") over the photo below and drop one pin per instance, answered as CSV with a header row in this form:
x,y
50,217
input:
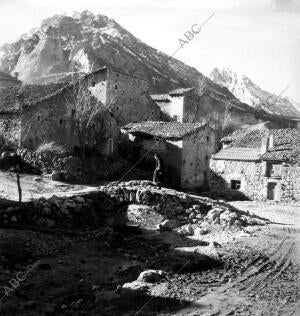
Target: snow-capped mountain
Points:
x,y
247,91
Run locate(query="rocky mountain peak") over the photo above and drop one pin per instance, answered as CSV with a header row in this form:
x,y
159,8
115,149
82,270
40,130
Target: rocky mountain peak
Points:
x,y
248,92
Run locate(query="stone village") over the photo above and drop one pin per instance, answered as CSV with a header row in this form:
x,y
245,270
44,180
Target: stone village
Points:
x,y
109,113
131,183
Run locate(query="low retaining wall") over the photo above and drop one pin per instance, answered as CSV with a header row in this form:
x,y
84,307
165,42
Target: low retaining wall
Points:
x,y
111,201
95,168
182,207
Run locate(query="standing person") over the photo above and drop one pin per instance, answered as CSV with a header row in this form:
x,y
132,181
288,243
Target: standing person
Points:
x,y
159,170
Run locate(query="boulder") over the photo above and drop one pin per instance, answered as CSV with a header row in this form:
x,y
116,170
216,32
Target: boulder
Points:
x,y
186,230
200,231
167,225
135,288
151,276
213,214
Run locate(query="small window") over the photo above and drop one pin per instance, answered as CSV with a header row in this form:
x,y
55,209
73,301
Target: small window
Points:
x,y
207,139
206,158
175,117
93,84
73,112
110,146
116,86
38,118
235,184
60,122
152,112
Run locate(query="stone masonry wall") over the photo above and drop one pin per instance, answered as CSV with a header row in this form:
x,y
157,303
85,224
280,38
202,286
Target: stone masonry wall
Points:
x,y
95,168
254,183
110,202
251,174
290,183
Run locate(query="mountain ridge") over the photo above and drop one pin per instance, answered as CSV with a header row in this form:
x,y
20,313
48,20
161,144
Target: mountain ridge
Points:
x,y
84,42
249,92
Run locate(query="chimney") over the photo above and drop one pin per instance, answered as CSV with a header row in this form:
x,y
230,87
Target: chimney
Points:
x,y
271,141
264,145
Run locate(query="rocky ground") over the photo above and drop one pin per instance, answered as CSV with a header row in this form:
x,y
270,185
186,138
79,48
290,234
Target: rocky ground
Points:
x,y
148,267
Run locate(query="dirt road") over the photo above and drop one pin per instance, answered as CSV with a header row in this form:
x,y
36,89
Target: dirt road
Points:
x,y
35,187
256,271
269,284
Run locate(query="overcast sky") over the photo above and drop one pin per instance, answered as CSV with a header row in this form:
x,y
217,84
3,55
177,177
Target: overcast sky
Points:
x,y
257,37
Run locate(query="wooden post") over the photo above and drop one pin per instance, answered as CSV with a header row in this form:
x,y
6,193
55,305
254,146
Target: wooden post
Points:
x,y
19,188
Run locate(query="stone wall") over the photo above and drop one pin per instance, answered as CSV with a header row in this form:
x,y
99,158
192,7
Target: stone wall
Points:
x,y
109,205
196,152
128,98
94,168
290,183
45,122
179,206
250,173
254,182
10,127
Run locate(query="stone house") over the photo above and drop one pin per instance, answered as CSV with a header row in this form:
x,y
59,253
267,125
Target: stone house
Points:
x,y
259,164
194,105
185,149
31,115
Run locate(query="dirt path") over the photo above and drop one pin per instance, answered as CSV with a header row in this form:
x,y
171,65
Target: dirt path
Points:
x,y
35,187
269,285
256,273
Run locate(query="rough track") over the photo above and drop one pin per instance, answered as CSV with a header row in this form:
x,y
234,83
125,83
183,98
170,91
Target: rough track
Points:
x,y
267,284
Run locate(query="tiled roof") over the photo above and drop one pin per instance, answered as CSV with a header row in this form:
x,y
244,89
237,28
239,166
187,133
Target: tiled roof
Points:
x,y
237,153
286,141
166,130
63,77
285,138
161,97
180,91
241,133
11,97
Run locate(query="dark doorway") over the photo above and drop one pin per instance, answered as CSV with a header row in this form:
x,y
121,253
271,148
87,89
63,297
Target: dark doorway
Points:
x,y
271,190
136,153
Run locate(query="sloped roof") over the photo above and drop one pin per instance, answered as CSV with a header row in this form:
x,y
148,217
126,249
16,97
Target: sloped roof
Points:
x,y
238,153
166,130
180,91
241,133
286,141
285,138
11,97
161,97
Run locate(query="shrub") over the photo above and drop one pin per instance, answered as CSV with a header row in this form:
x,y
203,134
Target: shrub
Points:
x,y
52,148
